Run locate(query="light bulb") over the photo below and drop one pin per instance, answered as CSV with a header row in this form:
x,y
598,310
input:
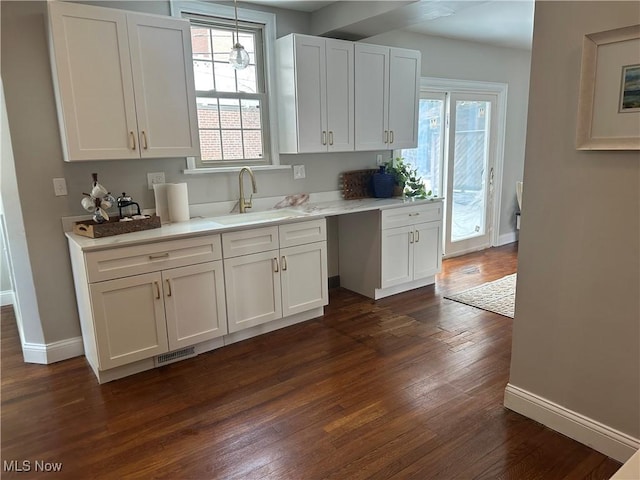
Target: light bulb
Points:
x,y
239,58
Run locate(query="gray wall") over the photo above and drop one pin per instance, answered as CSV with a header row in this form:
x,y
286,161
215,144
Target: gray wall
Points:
x,y
576,337
461,60
37,150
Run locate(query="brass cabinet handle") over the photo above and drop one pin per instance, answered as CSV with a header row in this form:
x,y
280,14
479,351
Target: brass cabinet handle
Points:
x,y
133,140
169,287
390,136
417,236
160,255
275,265
414,214
410,237
144,137
386,136
157,290
284,263
324,137
330,137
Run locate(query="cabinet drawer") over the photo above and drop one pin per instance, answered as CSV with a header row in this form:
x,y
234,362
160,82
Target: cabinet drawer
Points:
x,y
302,233
152,257
400,217
245,242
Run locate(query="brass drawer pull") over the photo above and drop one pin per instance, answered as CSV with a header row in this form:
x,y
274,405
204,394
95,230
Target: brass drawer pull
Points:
x,y
133,140
275,265
160,255
157,290
284,263
169,287
144,137
414,214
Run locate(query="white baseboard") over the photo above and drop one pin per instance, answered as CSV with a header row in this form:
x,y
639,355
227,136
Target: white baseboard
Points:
x,y
596,435
507,238
52,352
7,298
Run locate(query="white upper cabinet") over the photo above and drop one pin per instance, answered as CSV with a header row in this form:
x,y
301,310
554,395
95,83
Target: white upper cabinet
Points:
x,y
124,83
315,94
387,82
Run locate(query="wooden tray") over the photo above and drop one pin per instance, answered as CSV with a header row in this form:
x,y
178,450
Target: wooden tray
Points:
x,y
89,228
357,184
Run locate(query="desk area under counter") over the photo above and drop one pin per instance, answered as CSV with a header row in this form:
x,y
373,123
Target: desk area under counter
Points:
x,y
153,297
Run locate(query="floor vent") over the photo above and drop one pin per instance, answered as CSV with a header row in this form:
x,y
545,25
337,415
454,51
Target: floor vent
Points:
x,y
176,356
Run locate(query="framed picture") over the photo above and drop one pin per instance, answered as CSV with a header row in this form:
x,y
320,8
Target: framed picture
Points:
x,y
609,99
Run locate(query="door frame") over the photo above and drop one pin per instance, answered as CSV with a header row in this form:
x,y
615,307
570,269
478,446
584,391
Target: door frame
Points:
x,y
444,85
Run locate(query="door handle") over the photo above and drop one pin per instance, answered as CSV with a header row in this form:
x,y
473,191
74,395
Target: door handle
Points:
x,y
386,136
157,290
144,137
417,236
390,136
276,269
133,140
324,137
330,137
410,237
169,288
284,263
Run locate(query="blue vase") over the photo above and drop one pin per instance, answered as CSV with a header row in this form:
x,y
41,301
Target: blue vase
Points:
x,y
382,184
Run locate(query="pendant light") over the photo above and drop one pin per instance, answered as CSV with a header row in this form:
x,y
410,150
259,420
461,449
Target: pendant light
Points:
x,y
238,57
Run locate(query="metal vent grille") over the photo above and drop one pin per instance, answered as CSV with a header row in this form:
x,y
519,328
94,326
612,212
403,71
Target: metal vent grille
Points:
x,y
176,356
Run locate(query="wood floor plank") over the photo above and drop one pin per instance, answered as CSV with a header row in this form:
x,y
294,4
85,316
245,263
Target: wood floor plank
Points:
x,y
410,386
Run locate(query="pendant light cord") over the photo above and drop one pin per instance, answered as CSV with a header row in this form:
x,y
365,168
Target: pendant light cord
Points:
x,y
235,8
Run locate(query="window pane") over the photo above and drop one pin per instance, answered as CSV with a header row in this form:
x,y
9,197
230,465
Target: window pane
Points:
x,y
232,144
427,156
208,112
252,144
247,80
230,113
222,42
203,75
251,114
210,145
200,43
246,40
225,76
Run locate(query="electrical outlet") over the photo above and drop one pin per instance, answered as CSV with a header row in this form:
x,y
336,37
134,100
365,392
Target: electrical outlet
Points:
x,y
379,160
298,172
154,178
59,187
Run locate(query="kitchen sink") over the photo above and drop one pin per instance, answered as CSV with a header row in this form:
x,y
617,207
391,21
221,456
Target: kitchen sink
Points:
x,y
256,217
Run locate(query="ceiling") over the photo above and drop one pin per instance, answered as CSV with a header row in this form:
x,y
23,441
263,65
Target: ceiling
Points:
x,y
507,23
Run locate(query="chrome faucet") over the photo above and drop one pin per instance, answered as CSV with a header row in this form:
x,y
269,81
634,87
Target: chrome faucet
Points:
x,y
243,204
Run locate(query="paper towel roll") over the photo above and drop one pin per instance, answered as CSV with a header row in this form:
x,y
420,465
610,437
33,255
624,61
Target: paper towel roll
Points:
x,y
162,205
178,200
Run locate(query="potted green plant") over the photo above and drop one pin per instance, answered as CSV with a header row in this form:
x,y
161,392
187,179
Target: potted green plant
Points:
x,y
407,180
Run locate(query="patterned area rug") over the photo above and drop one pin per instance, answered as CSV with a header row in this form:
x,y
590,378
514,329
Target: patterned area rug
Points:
x,y
498,296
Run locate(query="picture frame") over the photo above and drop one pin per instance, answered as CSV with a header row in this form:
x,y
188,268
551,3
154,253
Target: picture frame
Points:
x,y
609,96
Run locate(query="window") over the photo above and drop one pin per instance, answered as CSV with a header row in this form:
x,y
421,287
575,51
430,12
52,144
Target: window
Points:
x,y
427,157
234,118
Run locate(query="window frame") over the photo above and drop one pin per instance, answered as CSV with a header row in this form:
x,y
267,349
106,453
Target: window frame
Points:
x,y
184,9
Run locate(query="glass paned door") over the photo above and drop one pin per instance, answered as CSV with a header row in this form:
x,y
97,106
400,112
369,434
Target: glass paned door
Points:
x,y
469,176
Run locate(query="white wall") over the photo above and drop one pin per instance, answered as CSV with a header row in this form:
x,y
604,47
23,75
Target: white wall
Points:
x,y
38,155
576,336
461,60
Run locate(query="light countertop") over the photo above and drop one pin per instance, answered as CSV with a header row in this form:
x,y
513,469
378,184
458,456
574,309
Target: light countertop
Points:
x,y
205,225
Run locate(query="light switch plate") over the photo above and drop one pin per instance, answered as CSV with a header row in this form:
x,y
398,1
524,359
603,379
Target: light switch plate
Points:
x,y
153,178
59,187
299,172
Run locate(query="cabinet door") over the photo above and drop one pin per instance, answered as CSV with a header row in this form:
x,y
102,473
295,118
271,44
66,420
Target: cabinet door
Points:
x,y
371,96
427,249
194,303
397,256
340,102
404,86
94,91
129,319
311,97
252,284
164,87
304,278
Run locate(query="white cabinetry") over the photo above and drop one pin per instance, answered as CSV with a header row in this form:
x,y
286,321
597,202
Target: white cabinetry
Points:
x,y
402,251
140,301
315,92
124,83
387,82
274,272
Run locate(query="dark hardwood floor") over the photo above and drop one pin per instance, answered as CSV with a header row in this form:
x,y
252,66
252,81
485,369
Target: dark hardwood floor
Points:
x,y
408,387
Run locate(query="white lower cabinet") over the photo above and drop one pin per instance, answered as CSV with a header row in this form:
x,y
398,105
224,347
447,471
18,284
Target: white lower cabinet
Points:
x,y
391,251
276,283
